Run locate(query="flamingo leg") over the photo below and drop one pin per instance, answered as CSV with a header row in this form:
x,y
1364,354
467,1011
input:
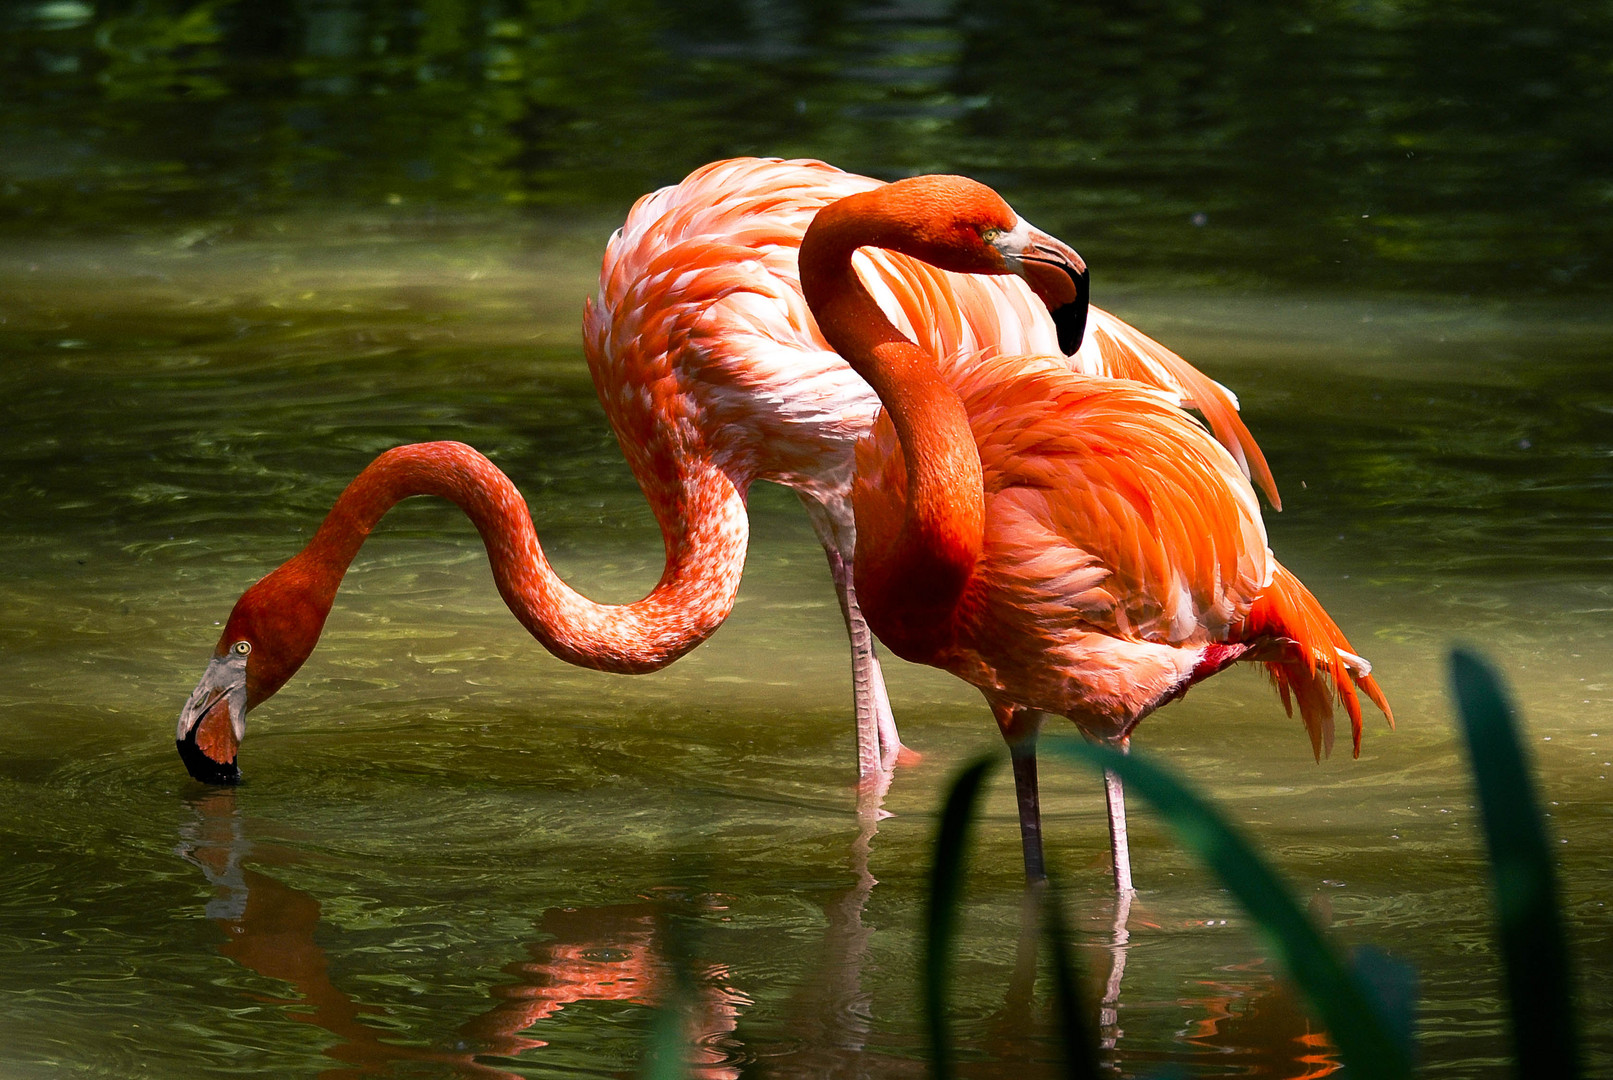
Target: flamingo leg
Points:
x,y
1020,728
872,704
878,744
1030,811
1119,848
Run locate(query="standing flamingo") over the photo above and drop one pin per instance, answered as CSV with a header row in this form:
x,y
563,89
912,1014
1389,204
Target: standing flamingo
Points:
x,y
1066,543
707,360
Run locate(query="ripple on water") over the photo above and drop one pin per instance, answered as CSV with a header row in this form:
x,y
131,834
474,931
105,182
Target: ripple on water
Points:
x,y
440,825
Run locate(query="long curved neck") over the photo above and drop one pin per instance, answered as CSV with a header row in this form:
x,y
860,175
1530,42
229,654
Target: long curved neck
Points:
x,y
705,554
925,567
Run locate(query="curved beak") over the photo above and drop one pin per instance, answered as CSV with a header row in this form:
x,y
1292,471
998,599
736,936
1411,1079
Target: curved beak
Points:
x,y
213,722
1056,274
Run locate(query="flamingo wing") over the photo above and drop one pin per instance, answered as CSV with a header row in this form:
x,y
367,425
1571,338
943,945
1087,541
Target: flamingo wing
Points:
x,y
711,263
1105,475
1121,351
1124,557
1120,540
706,357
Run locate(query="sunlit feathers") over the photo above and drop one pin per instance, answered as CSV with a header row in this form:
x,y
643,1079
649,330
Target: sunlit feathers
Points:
x,y
703,350
1120,541
1119,554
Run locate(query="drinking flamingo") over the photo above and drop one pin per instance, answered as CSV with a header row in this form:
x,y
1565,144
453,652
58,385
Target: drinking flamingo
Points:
x,y
707,359
276,623
1066,543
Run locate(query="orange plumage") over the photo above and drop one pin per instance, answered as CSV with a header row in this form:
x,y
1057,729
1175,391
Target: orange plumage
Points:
x,y
706,356
1120,540
1067,543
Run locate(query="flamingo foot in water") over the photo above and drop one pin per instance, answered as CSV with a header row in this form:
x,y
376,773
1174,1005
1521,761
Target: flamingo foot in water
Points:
x,y
871,791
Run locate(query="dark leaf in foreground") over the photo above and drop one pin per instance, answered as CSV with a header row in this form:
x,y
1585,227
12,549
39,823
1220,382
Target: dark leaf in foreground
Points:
x,y
1533,947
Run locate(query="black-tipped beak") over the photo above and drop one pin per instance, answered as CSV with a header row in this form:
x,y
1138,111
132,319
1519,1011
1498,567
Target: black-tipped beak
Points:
x,y
1060,277
213,722
1070,320
203,768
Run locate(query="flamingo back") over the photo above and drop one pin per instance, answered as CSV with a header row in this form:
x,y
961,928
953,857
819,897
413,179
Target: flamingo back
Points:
x,y
700,342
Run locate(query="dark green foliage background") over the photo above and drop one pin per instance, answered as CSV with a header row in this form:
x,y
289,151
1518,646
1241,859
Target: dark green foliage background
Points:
x,y
1427,144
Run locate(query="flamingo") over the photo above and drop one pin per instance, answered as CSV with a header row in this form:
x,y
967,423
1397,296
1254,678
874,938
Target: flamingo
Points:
x,y
276,623
707,359
713,374
1069,544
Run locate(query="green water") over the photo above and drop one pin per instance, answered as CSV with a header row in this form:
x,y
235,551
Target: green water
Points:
x,y
454,855
245,246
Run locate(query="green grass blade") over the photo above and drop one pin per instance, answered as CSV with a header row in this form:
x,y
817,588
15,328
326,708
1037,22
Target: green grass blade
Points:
x,y
946,899
1339,999
1533,946
668,1050
1392,983
1080,1042
667,1055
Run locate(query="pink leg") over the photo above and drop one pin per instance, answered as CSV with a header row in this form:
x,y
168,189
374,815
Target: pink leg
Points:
x,y
1119,848
878,744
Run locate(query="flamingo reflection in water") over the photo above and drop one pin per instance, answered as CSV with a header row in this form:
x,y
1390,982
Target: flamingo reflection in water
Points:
x,y
608,954
617,953
612,953
1253,1018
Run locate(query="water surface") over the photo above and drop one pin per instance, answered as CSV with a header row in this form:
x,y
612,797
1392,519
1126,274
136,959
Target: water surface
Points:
x,y
455,855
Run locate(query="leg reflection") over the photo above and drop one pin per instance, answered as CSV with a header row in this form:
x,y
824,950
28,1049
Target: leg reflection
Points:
x,y
1020,1031
830,1019
603,954
1109,1031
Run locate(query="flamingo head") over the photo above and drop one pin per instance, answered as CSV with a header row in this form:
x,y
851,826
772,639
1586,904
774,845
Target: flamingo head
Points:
x,y
1055,273
962,225
269,634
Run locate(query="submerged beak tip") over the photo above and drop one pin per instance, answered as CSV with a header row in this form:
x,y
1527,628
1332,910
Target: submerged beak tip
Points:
x,y
204,768
212,724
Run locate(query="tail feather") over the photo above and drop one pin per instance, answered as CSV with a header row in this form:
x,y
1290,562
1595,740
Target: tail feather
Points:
x,y
1313,663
